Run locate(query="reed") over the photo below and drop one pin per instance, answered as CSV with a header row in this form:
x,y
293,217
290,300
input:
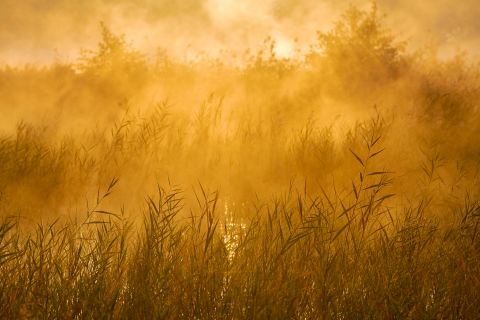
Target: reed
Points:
x,y
267,191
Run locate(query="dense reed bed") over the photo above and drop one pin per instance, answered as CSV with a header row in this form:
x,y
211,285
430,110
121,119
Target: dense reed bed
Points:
x,y
342,184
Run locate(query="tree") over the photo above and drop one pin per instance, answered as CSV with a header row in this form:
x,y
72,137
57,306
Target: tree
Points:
x,y
359,47
112,54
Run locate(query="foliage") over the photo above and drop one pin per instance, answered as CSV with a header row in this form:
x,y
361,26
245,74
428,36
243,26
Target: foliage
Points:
x,y
347,184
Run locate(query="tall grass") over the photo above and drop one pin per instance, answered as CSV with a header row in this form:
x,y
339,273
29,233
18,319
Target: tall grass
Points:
x,y
345,185
305,255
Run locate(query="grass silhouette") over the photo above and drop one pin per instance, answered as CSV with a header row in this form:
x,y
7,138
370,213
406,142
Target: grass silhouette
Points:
x,y
342,185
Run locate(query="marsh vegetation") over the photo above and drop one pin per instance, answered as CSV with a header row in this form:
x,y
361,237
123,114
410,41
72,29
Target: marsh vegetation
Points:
x,y
341,184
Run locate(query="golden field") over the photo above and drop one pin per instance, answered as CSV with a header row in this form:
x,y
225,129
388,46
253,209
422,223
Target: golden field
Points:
x,y
341,182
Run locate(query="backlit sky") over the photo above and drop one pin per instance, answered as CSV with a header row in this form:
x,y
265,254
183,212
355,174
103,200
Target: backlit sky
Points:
x,y
44,30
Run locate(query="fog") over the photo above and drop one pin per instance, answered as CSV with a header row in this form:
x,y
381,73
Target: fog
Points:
x,y
239,159
45,31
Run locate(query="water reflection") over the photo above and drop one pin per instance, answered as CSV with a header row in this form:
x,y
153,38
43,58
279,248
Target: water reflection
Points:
x,y
233,226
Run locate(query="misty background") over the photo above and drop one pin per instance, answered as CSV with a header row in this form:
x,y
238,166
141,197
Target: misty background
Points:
x,y
33,31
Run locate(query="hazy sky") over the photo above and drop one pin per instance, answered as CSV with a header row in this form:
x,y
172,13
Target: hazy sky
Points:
x,y
40,30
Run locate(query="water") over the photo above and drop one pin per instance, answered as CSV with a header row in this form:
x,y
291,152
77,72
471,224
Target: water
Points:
x,y
233,226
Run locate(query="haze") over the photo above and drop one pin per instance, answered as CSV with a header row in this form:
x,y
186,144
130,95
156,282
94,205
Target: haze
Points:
x,y
45,31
